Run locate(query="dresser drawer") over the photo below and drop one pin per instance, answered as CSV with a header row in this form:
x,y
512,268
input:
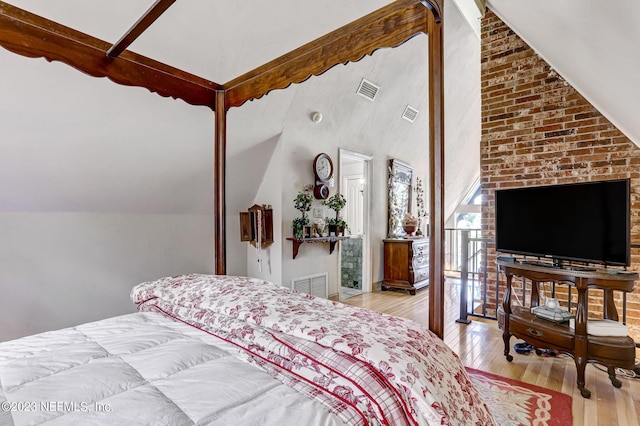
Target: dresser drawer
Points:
x,y
420,262
536,330
420,274
421,249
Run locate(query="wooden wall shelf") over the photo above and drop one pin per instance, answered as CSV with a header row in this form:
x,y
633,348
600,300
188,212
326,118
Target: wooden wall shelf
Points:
x,y
297,242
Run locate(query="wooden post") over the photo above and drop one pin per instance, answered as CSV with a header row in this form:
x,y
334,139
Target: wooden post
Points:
x,y
436,176
219,184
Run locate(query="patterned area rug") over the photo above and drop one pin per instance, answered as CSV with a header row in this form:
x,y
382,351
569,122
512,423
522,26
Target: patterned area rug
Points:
x,y
515,403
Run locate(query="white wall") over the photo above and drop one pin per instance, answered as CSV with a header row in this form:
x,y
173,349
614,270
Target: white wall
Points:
x,y
354,123
102,187
271,161
462,106
254,174
62,269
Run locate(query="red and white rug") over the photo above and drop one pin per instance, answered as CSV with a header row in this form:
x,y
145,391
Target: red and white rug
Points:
x,y
515,403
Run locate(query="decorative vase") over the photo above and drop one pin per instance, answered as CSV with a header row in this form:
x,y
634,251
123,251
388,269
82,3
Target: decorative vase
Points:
x,y
409,223
409,229
336,230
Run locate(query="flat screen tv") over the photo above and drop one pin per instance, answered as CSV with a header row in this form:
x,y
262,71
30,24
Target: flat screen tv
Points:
x,y
586,222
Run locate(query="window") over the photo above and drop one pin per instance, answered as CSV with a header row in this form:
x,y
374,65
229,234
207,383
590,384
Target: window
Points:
x,y
468,214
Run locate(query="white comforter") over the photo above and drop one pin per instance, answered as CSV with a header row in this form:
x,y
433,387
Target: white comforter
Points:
x,y
237,351
142,369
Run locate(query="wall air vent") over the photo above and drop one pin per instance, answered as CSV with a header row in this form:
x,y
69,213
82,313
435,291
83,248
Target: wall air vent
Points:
x,y
410,113
317,285
368,90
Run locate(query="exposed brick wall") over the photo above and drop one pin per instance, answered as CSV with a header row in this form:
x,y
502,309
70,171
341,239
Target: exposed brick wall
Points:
x,y
538,130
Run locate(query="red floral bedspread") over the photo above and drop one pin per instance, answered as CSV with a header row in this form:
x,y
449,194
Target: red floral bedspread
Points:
x,y
367,367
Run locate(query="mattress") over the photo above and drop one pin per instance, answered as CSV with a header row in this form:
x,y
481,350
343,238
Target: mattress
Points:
x,y
142,369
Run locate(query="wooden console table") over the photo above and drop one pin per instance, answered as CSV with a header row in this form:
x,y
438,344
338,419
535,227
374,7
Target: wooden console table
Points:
x,y
520,322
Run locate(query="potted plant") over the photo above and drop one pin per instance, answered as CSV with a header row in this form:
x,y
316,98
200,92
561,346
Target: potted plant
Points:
x,y
336,203
302,202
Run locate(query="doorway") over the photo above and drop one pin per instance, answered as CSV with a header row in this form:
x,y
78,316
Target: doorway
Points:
x,y
355,253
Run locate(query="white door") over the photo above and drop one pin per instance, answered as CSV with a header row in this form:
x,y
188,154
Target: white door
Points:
x,y
355,204
355,174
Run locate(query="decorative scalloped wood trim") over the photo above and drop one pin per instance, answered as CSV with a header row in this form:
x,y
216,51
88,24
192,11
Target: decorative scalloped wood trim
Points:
x,y
30,35
33,36
388,26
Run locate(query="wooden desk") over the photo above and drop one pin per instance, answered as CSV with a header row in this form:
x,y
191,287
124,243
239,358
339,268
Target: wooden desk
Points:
x,y
520,322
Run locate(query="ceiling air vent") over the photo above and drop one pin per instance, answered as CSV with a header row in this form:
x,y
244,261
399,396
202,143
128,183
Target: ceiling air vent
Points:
x,y
410,113
368,90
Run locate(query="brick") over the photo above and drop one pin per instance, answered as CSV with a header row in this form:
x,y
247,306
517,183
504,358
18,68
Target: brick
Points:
x,y
545,129
500,116
586,139
613,133
584,122
526,99
548,135
579,109
595,128
587,114
573,166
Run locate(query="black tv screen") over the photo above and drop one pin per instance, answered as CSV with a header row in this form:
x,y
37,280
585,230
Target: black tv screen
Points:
x,y
586,222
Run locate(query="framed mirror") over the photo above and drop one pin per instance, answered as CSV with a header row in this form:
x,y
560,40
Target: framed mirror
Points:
x,y
400,180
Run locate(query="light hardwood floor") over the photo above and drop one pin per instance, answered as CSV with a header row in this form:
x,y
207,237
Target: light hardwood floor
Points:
x,y
480,346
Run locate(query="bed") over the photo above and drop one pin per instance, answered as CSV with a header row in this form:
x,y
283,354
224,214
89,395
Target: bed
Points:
x,y
33,36
232,350
222,350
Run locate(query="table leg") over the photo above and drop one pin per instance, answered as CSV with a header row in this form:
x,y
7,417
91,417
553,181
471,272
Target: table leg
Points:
x,y
610,311
580,338
506,306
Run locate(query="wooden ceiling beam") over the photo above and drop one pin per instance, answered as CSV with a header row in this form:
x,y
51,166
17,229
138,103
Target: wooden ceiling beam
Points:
x,y
145,21
33,36
388,26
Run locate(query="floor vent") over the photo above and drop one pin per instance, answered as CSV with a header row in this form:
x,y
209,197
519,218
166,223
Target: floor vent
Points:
x,y
410,113
316,285
368,90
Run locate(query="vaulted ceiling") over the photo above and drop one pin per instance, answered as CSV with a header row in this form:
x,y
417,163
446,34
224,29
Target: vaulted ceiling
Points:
x,y
187,50
216,40
591,45
231,39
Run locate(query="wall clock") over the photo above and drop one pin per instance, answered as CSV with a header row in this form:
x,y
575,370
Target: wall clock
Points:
x,y
323,171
